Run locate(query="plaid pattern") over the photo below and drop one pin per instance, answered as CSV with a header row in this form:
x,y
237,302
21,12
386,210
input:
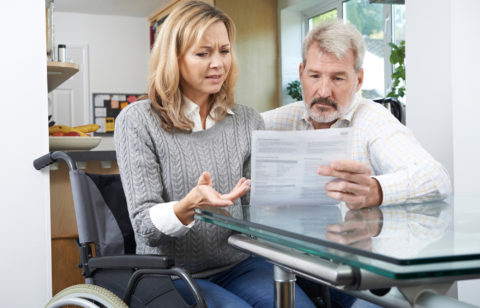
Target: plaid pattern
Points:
x,y
405,171
407,230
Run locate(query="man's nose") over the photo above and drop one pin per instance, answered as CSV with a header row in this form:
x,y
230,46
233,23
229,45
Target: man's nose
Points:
x,y
324,88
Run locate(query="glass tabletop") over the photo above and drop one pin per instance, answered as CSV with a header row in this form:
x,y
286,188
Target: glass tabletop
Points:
x,y
398,241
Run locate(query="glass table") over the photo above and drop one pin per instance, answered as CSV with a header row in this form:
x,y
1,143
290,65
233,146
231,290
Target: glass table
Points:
x,y
417,250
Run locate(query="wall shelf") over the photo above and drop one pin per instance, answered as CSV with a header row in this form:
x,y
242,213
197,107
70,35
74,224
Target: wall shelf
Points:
x,y
58,72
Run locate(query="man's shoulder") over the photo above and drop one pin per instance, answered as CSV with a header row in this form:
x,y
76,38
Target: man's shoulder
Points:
x,y
284,117
374,116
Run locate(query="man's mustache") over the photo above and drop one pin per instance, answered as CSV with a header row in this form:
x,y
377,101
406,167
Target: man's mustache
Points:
x,y
324,101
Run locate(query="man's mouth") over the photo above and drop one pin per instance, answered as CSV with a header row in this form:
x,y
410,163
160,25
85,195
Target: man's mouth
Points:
x,y
324,102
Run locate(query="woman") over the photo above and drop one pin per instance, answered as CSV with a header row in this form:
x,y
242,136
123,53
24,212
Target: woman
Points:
x,y
188,146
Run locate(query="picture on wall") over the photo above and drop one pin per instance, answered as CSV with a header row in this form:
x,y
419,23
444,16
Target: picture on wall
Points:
x,y
106,107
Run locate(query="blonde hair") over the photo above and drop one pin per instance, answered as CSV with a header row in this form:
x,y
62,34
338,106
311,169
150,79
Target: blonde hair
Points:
x,y
337,38
183,28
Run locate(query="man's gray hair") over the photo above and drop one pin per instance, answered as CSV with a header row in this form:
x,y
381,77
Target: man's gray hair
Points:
x,y
337,38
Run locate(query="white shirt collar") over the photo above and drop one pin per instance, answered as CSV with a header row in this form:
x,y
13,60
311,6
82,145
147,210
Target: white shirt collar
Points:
x,y
192,111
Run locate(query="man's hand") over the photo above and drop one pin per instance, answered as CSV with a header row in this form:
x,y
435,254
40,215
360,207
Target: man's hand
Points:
x,y
358,229
353,184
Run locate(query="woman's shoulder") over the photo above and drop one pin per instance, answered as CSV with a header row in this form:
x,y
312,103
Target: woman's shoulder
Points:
x,y
249,115
138,114
244,110
137,107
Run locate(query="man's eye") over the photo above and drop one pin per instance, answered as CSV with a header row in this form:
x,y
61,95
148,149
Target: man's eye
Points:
x,y
314,76
338,79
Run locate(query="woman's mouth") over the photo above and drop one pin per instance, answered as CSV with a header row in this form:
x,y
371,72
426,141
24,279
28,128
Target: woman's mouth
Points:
x,y
215,78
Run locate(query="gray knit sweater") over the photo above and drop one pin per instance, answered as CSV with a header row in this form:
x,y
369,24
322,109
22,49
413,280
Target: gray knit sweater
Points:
x,y
157,167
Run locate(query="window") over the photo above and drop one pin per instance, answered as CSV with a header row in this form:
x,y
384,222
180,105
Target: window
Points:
x,y
368,18
379,24
398,23
316,20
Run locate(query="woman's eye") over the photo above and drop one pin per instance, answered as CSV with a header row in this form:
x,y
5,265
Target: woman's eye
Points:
x,y
201,54
225,51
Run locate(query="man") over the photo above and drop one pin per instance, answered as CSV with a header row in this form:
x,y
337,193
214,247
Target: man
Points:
x,y
388,164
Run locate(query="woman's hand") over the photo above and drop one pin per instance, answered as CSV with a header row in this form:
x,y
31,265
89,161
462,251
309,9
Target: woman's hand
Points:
x,y
204,195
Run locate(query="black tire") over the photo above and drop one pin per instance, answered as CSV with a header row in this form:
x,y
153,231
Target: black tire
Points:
x,y
89,292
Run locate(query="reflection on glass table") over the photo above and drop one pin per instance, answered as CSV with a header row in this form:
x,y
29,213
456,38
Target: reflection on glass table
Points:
x,y
398,245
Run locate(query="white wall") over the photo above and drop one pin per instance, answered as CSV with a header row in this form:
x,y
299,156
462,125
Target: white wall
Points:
x,y
429,86
25,265
442,86
465,111
119,50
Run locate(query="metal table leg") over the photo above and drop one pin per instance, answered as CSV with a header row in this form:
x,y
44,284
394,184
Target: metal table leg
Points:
x,y
284,287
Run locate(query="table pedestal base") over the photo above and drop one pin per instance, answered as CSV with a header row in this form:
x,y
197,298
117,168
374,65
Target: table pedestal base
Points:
x,y
284,287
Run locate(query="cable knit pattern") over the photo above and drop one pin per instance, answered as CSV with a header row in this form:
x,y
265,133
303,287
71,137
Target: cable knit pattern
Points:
x,y
157,167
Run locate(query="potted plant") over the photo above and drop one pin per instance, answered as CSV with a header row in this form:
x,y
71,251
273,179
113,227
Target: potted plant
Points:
x,y
294,89
397,58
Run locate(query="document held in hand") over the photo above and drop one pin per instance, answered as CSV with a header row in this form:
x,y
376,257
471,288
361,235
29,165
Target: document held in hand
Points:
x,y
284,165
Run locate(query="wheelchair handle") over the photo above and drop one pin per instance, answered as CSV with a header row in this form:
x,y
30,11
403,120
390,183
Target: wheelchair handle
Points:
x,y
53,157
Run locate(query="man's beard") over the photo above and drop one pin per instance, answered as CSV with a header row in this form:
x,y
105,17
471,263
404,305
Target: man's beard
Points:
x,y
323,114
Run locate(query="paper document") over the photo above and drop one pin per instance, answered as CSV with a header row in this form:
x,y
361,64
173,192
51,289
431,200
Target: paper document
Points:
x,y
284,165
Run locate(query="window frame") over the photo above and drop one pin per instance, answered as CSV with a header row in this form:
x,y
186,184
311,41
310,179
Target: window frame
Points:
x,y
319,9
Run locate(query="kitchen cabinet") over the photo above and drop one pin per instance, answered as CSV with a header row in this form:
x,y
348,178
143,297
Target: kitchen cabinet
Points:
x,y
59,72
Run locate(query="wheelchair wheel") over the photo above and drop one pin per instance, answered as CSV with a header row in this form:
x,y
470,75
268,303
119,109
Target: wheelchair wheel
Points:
x,y
87,296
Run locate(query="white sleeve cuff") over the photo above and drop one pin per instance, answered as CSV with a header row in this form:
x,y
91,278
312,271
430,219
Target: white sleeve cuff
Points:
x,y
163,217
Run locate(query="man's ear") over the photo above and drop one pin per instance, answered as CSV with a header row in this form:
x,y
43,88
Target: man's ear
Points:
x,y
359,79
300,70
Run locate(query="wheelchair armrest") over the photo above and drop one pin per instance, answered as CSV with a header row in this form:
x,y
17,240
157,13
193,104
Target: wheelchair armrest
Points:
x,y
146,265
175,271
130,261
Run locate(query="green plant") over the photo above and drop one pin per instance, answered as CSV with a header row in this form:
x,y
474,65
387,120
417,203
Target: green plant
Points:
x,y
397,58
294,89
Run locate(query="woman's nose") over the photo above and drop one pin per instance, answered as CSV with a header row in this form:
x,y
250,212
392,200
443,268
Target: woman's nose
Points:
x,y
216,61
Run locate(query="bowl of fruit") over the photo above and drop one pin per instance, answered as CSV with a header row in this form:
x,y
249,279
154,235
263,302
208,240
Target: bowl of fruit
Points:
x,y
78,138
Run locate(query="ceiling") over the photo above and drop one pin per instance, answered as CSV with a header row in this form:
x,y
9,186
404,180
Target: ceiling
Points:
x,y
137,8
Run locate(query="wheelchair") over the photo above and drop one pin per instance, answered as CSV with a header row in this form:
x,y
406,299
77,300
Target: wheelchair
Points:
x,y
397,108
114,275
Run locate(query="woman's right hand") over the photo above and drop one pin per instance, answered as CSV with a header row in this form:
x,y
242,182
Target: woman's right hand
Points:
x,y
205,195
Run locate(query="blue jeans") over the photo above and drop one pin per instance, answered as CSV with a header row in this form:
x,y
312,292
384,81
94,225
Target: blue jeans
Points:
x,y
248,284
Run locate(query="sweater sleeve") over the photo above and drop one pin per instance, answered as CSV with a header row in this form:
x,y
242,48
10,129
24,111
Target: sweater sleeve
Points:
x,y
140,172
256,122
